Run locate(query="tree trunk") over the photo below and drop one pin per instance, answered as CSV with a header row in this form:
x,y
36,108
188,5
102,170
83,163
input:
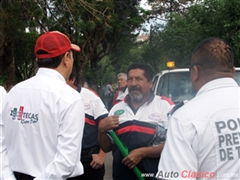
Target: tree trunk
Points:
x,y
10,65
81,73
7,62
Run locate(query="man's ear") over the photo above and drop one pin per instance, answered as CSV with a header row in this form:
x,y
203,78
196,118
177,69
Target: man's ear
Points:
x,y
195,74
233,70
65,59
151,84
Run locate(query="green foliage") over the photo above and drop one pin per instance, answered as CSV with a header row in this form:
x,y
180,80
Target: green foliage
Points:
x,y
162,8
219,18
153,54
128,54
25,61
104,30
16,48
104,74
97,26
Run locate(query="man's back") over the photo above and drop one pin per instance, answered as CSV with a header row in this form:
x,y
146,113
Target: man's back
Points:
x,y
210,124
40,110
108,89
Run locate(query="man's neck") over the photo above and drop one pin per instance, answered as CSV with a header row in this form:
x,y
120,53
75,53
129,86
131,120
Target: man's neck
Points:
x,y
136,104
122,89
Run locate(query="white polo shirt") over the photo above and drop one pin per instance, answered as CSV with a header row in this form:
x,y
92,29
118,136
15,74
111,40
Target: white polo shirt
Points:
x,y
8,171
203,138
3,92
95,111
138,128
43,121
122,94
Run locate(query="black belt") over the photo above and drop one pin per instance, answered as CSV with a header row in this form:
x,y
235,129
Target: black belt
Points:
x,y
21,176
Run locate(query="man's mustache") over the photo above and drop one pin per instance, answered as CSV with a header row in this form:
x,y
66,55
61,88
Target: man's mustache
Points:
x,y
134,88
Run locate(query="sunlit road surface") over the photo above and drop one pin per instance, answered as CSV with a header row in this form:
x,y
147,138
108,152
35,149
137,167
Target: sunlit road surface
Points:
x,y
108,166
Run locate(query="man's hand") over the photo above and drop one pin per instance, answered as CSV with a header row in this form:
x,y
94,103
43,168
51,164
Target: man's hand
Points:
x,y
108,123
98,160
134,157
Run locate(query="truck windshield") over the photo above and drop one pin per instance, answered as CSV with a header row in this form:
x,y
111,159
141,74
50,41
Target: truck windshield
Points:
x,y
176,86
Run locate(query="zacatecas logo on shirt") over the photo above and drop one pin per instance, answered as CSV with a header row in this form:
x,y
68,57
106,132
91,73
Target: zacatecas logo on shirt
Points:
x,y
23,117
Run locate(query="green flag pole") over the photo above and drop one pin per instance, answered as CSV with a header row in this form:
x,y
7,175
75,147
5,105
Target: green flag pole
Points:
x,y
124,150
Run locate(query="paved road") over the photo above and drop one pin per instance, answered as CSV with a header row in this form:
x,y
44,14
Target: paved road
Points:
x,y
108,166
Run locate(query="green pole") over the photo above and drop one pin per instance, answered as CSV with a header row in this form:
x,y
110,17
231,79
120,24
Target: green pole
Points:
x,y
124,150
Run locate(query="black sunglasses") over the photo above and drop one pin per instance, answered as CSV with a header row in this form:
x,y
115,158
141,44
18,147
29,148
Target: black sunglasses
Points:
x,y
194,64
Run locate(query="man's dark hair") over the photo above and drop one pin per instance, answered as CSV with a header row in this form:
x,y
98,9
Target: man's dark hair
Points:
x,y
148,72
49,63
72,75
214,53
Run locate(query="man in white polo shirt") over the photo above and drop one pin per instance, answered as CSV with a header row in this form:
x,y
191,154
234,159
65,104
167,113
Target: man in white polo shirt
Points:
x,y
139,122
92,157
122,90
43,118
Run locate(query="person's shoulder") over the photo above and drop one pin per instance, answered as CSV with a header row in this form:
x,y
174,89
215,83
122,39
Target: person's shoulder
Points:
x,y
90,96
25,84
71,90
2,89
176,107
89,92
94,92
119,107
168,100
188,111
66,93
163,100
120,104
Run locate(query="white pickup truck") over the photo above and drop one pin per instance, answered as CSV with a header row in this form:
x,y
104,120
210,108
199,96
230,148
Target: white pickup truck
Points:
x,y
176,84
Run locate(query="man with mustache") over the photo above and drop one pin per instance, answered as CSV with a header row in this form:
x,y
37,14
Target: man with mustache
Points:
x,y
139,121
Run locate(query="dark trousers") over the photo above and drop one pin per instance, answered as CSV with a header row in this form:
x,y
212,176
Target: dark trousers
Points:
x,y
89,172
21,176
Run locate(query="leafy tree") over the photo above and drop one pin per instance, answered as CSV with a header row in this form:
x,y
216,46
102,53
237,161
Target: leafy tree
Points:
x,y
154,53
208,18
162,8
14,18
25,61
98,26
